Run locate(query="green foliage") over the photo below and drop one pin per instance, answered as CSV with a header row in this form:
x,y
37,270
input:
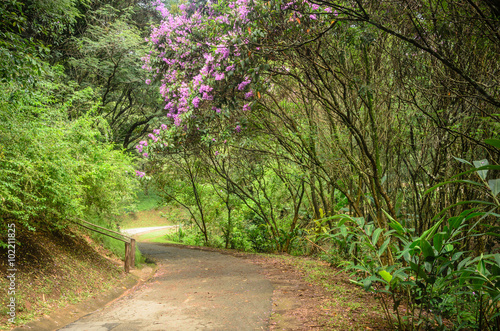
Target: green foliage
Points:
x,y
51,168
431,279
147,200
107,56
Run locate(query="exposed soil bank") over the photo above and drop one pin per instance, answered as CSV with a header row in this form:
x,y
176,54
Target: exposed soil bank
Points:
x,y
54,269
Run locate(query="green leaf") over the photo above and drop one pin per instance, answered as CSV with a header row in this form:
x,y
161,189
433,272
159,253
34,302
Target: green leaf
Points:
x,y
497,259
426,248
367,283
418,270
384,246
385,275
462,160
493,142
486,167
396,226
458,181
430,232
360,221
369,229
494,185
376,235
428,266
343,231
479,164
481,267
438,241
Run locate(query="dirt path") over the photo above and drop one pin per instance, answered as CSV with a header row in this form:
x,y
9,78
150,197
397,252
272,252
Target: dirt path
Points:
x,y
191,290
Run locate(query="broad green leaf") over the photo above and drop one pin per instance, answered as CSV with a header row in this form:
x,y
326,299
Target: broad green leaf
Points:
x,y
463,263
384,246
493,142
369,229
430,232
479,164
494,185
360,221
343,231
388,216
455,222
438,241
385,275
367,283
376,235
486,167
481,267
426,248
396,226
497,259
428,266
418,270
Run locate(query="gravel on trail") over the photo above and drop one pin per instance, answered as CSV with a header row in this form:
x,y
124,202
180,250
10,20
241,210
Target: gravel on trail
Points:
x,y
191,290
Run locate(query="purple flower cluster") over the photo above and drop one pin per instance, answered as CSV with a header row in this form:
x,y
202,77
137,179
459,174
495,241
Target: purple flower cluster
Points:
x,y
154,138
191,69
141,145
244,83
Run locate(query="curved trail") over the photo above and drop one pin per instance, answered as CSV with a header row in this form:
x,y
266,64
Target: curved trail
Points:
x,y
191,290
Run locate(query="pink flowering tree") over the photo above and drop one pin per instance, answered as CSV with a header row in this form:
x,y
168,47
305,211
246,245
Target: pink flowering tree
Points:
x,y
212,58
214,62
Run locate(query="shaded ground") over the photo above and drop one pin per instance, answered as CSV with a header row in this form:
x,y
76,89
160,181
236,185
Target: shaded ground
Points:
x,y
309,294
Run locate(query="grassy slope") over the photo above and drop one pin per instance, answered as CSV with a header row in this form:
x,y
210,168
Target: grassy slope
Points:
x,y
149,212
55,268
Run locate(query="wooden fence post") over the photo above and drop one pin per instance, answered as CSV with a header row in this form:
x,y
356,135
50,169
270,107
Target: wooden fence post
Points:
x,y
127,257
129,242
132,253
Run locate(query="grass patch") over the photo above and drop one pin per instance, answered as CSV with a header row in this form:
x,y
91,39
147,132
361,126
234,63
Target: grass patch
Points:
x,y
149,210
156,236
148,200
146,218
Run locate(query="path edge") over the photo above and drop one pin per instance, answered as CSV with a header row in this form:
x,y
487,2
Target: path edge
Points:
x,y
73,312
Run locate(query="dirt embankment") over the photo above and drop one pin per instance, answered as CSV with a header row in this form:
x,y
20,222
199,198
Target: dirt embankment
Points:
x,y
53,269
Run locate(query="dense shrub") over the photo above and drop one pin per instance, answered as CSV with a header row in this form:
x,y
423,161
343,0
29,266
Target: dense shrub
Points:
x,y
53,168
